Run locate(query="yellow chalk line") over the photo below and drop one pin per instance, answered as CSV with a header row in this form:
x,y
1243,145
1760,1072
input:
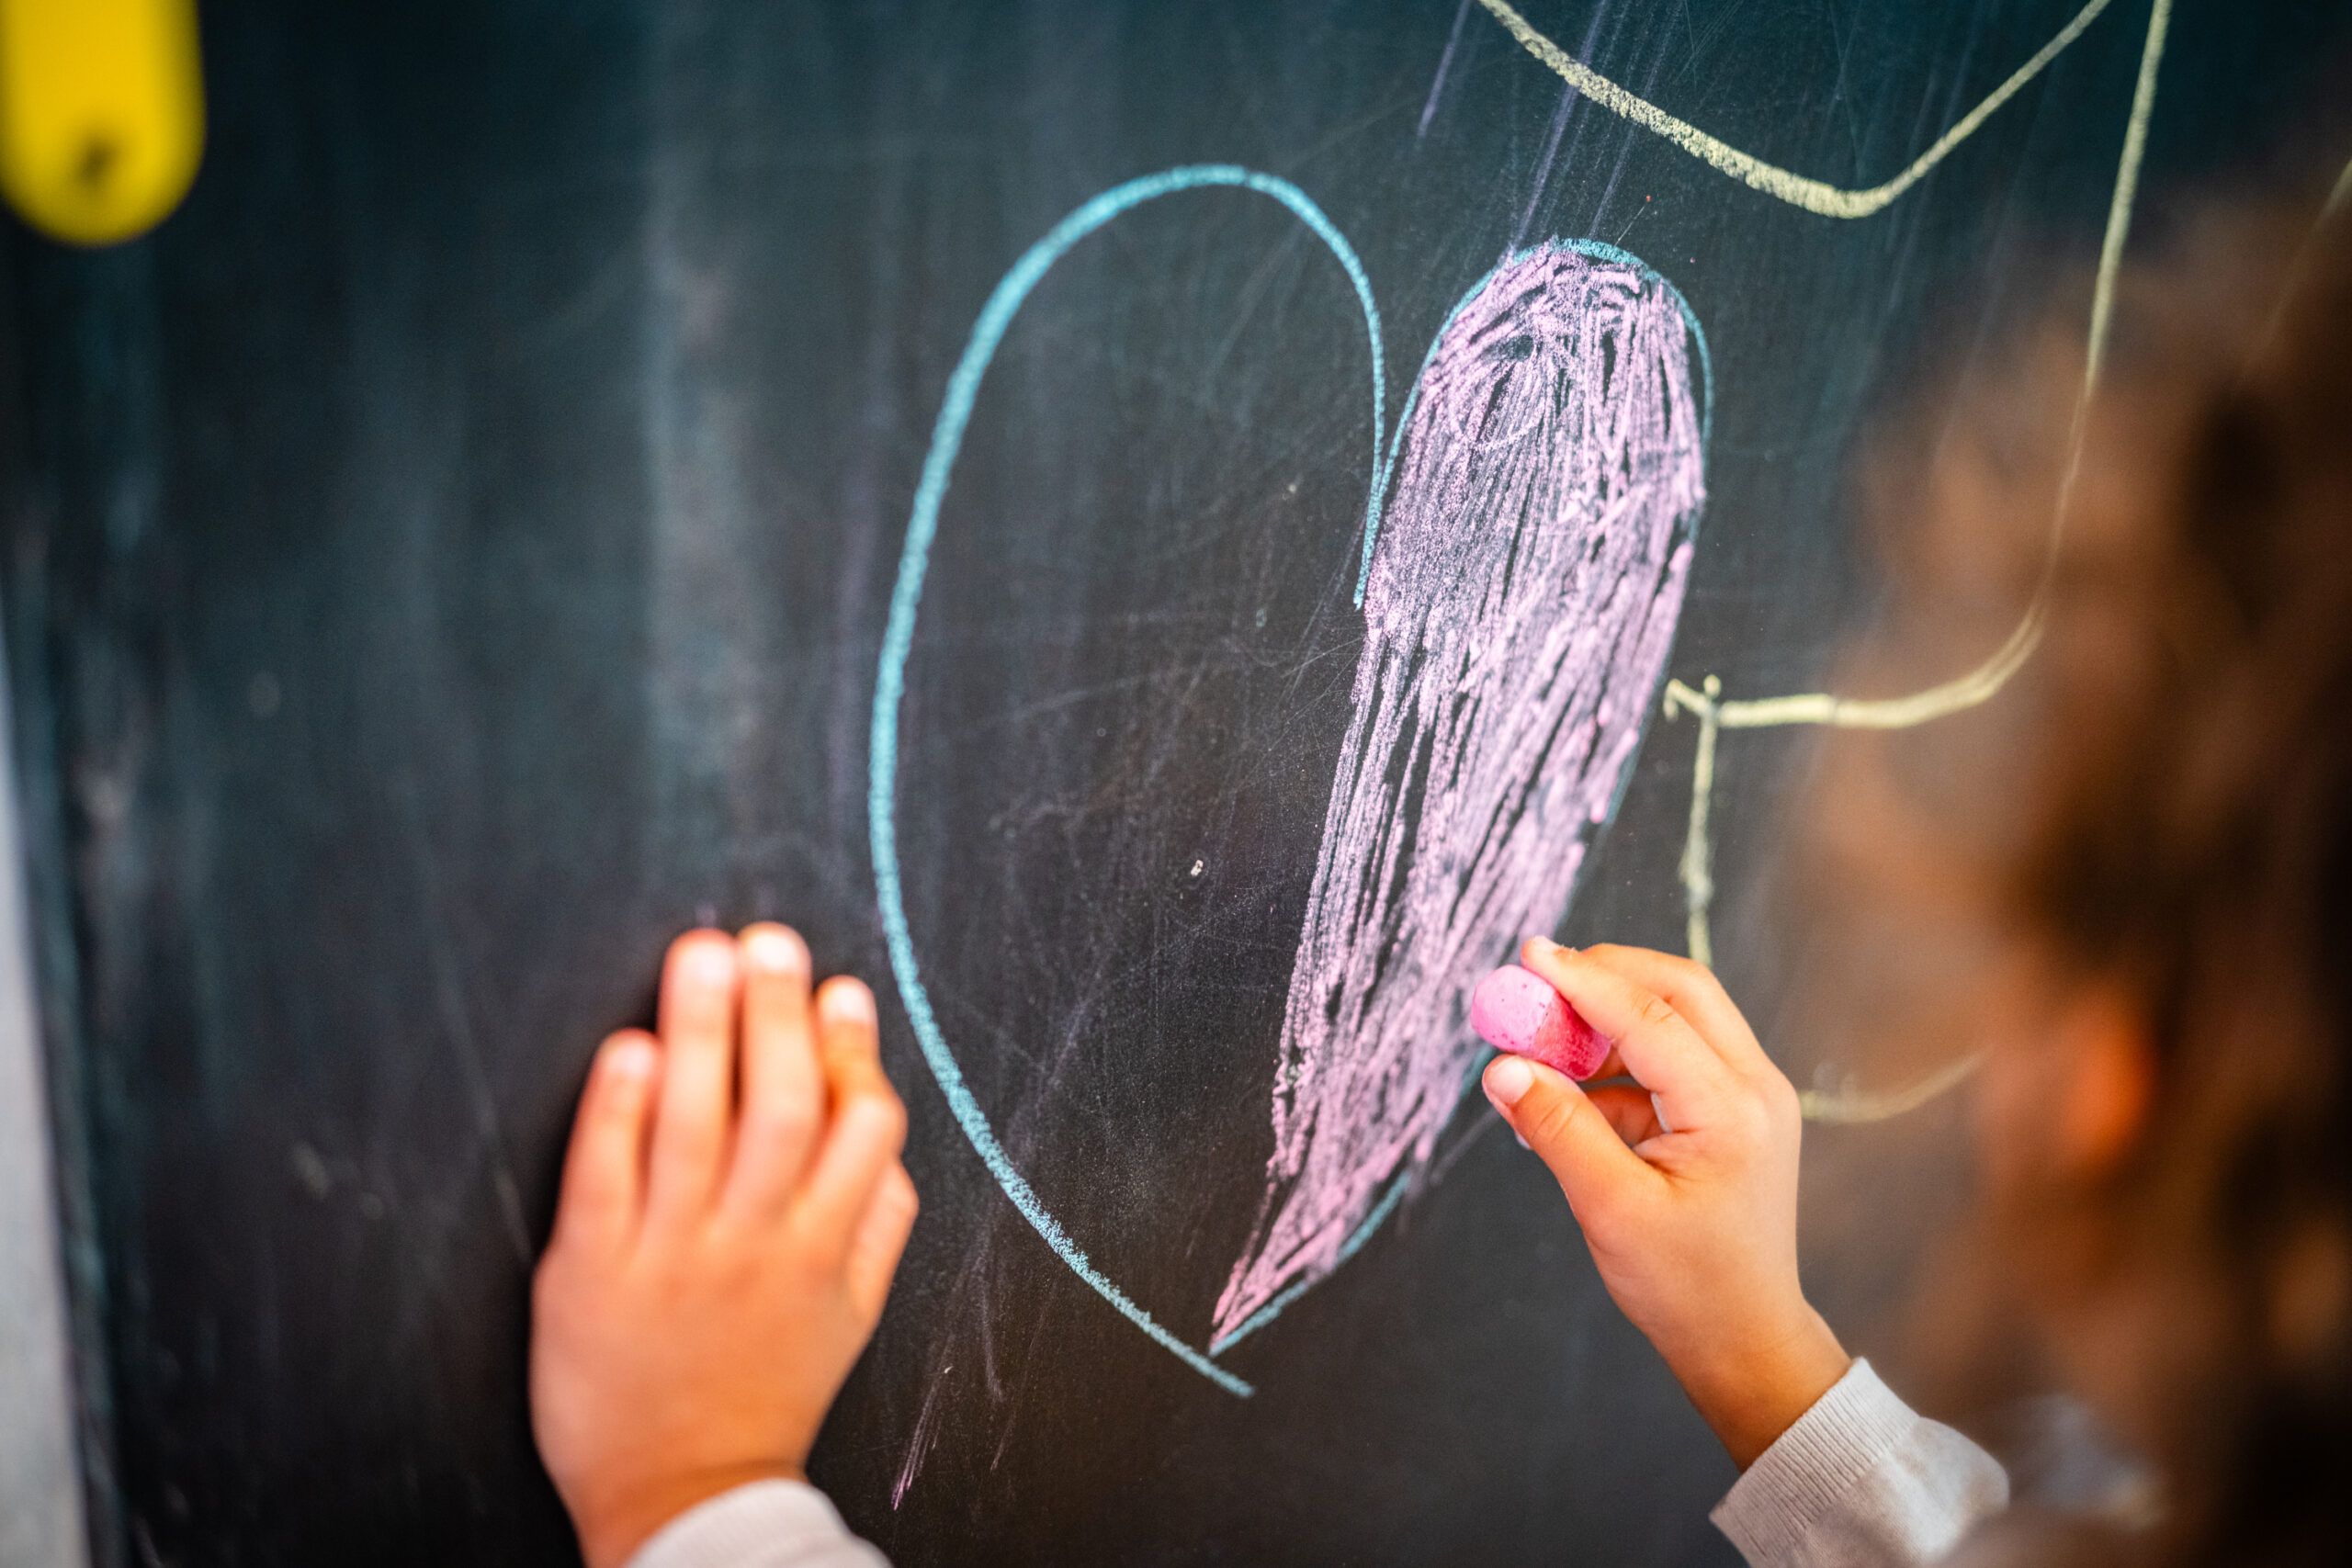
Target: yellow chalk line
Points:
x,y
1698,855
1797,190
1847,1107
1980,683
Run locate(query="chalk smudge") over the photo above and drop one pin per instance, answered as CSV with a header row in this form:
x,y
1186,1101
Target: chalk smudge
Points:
x,y
1529,572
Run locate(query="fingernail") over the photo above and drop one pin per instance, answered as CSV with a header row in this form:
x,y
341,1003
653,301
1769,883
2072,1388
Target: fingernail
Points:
x,y
631,1059
1509,1081
846,1000
713,963
778,950
1524,1143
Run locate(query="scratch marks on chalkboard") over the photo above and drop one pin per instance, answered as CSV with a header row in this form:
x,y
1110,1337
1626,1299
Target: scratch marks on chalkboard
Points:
x,y
1521,606
1543,167
1552,141
1785,185
1444,64
927,1433
1842,45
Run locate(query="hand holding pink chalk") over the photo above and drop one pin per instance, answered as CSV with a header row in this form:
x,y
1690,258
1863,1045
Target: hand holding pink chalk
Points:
x,y
1518,1012
1684,1184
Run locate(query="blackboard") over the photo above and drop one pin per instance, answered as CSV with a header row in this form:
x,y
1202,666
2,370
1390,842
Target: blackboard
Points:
x,y
462,548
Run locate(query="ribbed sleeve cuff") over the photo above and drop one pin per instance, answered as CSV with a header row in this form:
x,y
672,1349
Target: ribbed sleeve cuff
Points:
x,y
1810,1466
762,1524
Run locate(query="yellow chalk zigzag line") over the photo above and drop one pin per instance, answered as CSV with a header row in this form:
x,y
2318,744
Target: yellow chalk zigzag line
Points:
x,y
1797,190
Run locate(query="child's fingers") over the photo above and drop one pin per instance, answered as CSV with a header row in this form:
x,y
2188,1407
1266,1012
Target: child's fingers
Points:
x,y
1653,1042
1692,990
869,1125
849,1042
697,1026
1568,1133
849,1037
784,1090
603,1170
861,1144
1627,1110
879,1240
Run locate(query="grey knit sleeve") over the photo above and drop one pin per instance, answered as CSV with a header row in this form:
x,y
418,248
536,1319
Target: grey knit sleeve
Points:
x,y
1860,1480
765,1524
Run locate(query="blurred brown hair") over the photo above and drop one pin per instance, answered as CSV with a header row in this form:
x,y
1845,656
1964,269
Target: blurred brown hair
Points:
x,y
2160,800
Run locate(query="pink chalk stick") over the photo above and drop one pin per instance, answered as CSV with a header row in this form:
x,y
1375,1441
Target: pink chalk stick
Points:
x,y
1517,1012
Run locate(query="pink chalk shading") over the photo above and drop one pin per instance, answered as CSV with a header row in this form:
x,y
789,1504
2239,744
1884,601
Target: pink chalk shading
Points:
x,y
1517,1011
1522,597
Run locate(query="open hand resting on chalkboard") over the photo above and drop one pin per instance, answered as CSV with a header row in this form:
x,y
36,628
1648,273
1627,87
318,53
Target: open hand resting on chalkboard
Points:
x,y
733,1209
1685,1182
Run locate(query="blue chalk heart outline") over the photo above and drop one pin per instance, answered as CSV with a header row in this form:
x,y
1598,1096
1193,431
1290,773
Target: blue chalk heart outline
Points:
x,y
996,318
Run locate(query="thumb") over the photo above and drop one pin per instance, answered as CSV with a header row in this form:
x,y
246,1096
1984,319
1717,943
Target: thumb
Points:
x,y
1566,1131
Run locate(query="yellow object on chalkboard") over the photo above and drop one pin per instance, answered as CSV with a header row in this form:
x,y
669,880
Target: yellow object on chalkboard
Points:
x,y
101,114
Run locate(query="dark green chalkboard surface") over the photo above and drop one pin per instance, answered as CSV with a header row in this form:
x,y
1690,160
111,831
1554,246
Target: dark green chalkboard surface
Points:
x,y
470,541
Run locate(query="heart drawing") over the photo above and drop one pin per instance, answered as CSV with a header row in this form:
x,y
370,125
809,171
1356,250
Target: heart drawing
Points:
x,y
1521,586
